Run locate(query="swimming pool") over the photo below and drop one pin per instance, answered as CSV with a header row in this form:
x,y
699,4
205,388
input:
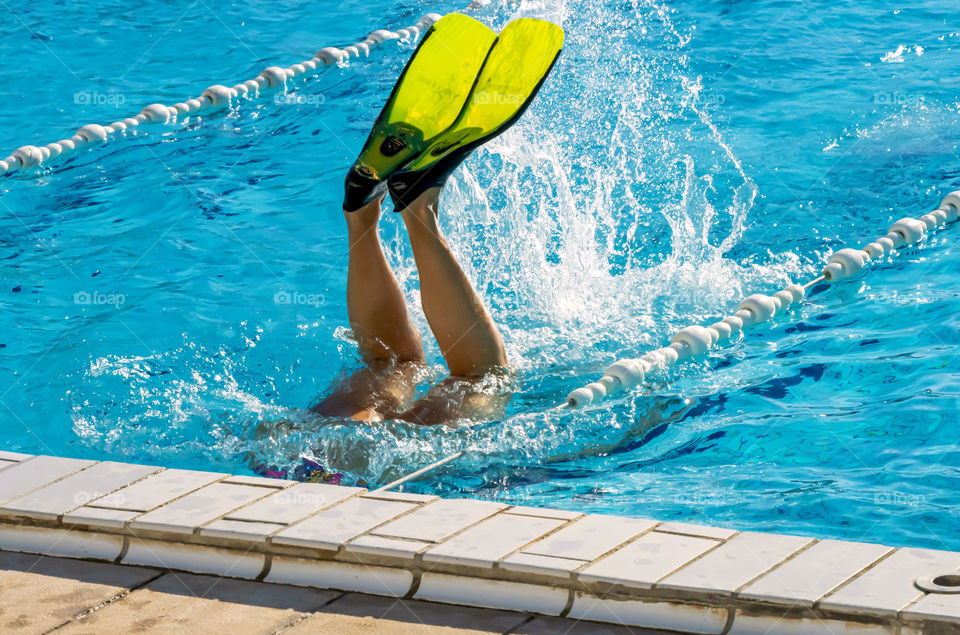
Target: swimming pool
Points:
x,y
167,293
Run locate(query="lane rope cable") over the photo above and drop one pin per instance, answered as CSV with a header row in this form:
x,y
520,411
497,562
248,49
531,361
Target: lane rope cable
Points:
x,y
216,97
694,341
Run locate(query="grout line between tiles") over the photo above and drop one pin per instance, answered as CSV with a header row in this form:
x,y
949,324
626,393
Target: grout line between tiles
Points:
x,y
113,491
40,487
610,552
520,624
199,527
736,592
126,523
269,539
304,615
655,585
496,563
373,530
866,570
116,598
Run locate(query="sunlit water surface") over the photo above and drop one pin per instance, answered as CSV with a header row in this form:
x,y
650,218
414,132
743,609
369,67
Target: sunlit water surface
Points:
x,y
167,294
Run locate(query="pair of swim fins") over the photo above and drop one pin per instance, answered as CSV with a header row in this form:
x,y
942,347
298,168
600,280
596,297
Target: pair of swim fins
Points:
x,y
463,86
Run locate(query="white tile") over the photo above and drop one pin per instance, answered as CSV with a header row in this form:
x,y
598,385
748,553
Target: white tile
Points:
x,y
332,527
540,565
193,510
14,456
735,563
294,503
437,520
491,540
494,594
719,533
325,574
261,481
100,517
194,558
888,586
34,473
778,625
646,560
936,606
76,490
543,512
401,496
60,542
815,572
4,464
240,530
590,537
156,490
685,618
371,545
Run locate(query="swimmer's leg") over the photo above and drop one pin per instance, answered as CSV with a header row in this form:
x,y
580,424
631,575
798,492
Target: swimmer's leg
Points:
x,y
388,342
375,304
468,338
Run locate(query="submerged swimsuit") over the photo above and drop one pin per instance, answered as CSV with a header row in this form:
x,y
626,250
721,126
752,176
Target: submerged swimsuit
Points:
x,y
309,471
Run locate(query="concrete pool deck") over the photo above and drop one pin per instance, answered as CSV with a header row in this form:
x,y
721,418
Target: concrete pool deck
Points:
x,y
74,596
626,571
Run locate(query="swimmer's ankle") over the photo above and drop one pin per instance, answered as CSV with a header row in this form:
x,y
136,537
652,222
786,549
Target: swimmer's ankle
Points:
x,y
427,204
365,217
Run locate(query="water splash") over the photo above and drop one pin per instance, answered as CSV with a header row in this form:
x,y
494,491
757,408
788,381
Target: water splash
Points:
x,y
594,229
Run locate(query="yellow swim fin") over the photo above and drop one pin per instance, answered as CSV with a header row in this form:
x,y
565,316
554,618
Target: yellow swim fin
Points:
x,y
516,67
426,100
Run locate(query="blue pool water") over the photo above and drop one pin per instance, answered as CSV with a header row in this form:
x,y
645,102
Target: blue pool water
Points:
x,y
682,156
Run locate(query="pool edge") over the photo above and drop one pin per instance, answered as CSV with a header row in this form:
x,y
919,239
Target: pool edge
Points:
x,y
635,572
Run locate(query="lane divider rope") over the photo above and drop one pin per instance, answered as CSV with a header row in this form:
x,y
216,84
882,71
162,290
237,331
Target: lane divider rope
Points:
x,y
423,470
214,98
695,341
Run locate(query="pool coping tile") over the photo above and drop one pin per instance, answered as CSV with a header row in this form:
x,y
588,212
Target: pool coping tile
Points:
x,y
73,491
735,563
439,519
673,575
645,561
